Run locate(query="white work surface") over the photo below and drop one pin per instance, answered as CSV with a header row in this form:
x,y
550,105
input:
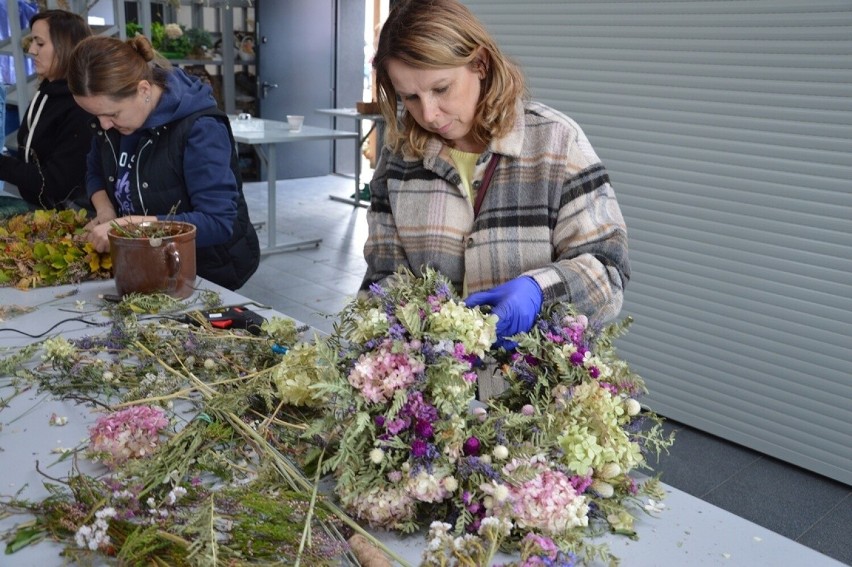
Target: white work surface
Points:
x,y
263,134
688,532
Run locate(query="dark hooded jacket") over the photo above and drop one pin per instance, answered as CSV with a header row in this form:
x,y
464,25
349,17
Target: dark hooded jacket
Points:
x,y
185,161
50,167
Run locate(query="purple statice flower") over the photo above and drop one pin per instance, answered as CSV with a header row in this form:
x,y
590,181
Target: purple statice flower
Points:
x,y
434,303
419,448
84,343
397,331
377,290
397,425
554,338
417,408
379,420
500,433
443,290
468,466
636,424
423,429
116,339
466,497
611,388
525,373
390,311
430,355
581,483
423,453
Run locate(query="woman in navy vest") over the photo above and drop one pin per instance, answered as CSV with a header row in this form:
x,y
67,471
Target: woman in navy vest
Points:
x,y
162,149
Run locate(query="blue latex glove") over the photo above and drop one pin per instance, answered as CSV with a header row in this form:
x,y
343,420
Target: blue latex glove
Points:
x,y
516,304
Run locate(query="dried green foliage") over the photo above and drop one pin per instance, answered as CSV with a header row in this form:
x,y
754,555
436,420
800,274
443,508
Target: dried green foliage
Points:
x,y
47,247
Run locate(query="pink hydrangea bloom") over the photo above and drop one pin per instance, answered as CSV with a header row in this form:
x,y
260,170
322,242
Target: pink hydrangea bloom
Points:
x,y
378,374
546,502
126,434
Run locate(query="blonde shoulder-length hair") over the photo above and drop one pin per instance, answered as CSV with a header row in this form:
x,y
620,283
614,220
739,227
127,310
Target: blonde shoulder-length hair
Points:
x,y
443,34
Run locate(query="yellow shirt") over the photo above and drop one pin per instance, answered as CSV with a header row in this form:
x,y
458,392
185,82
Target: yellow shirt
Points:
x,y
465,164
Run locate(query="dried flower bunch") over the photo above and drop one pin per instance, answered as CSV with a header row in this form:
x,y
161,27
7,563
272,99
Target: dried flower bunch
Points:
x,y
407,443
47,247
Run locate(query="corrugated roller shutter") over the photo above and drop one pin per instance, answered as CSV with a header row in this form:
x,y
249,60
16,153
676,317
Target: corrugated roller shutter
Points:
x,y
727,129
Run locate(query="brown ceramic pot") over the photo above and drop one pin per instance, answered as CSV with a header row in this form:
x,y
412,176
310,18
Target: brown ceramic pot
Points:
x,y
164,263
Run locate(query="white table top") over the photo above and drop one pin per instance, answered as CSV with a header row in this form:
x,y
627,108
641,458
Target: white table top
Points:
x,y
263,131
688,532
349,113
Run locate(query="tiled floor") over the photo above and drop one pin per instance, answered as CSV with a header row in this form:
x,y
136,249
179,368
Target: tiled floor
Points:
x,y
313,285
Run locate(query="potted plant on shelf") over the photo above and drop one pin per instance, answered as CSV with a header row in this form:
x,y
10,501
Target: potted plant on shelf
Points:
x,y
169,40
199,41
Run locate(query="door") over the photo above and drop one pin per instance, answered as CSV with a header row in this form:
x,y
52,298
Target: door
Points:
x,y
296,52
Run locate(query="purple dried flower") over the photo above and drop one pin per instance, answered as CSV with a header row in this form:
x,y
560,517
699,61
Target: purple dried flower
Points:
x,y
443,290
423,429
377,290
419,448
577,357
594,371
471,465
394,426
471,447
581,483
397,331
379,420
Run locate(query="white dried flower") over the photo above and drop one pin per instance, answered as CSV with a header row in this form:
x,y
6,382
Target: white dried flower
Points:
x,y
632,407
377,456
610,470
604,489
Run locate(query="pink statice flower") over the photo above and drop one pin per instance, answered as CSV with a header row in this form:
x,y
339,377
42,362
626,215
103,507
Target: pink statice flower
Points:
x,y
380,373
127,434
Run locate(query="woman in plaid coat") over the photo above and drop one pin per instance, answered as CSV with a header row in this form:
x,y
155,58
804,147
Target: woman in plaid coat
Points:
x,y
542,225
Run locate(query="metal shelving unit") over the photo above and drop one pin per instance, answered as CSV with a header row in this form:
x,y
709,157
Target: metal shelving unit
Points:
x,y
224,27
21,92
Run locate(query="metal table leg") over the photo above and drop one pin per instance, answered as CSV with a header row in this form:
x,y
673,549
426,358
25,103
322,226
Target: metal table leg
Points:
x,y
268,155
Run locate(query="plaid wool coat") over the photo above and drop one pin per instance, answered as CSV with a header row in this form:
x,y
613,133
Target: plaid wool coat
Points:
x,y
549,213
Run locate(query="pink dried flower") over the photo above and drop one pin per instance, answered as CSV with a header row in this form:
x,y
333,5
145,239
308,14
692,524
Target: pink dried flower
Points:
x,y
378,374
126,434
547,502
